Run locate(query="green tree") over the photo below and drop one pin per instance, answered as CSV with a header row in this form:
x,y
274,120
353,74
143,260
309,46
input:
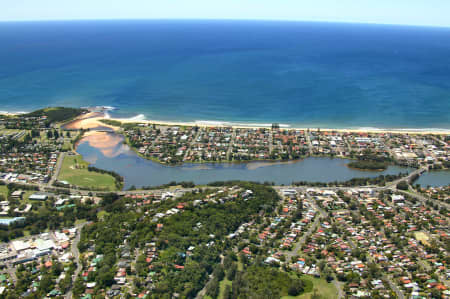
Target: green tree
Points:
x,y
296,287
212,289
402,185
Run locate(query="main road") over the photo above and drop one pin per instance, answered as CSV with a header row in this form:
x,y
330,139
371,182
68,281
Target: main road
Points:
x,y
57,169
47,187
76,255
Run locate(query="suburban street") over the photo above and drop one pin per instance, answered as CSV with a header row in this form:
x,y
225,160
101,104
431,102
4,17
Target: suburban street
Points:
x,y
57,169
76,255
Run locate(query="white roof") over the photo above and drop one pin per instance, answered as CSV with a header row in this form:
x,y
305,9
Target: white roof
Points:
x,y
61,236
398,197
42,245
38,196
20,245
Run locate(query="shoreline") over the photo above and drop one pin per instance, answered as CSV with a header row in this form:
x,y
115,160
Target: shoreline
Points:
x,y
92,120
211,124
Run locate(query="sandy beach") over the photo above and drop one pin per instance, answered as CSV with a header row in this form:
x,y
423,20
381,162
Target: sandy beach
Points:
x,y
89,120
93,120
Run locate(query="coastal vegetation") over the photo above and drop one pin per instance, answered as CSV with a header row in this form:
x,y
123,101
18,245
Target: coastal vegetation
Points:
x,y
403,186
183,184
57,114
368,160
77,172
380,180
117,177
111,122
368,165
264,282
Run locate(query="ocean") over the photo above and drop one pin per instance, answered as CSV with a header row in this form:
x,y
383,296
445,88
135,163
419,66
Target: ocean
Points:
x,y
302,74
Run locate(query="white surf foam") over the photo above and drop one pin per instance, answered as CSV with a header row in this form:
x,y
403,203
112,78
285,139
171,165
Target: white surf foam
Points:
x,y
238,124
404,129
139,117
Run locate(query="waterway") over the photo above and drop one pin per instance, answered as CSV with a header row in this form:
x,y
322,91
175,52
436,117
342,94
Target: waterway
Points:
x,y
435,178
107,151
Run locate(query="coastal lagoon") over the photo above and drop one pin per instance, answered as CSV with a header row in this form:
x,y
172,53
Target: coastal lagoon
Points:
x,y
107,151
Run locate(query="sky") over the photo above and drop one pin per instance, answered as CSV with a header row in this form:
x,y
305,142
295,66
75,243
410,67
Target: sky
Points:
x,y
406,12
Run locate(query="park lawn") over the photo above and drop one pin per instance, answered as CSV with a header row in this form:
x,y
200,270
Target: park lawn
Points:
x,y
75,171
222,285
14,131
80,221
4,191
102,214
324,289
10,131
423,237
27,194
240,266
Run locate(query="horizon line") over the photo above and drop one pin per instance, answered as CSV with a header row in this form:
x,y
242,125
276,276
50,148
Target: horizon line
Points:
x,y
225,19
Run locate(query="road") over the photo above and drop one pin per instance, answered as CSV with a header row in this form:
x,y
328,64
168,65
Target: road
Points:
x,y
76,255
387,278
424,199
12,272
303,238
192,143
311,151
310,231
45,187
57,168
202,292
419,171
336,282
384,276
230,147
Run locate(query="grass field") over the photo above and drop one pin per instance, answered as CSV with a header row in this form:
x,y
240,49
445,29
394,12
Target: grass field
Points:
x,y
223,284
27,195
75,171
423,237
4,191
14,131
324,289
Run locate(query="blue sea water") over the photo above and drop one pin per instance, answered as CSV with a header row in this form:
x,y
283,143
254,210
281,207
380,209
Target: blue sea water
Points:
x,y
297,73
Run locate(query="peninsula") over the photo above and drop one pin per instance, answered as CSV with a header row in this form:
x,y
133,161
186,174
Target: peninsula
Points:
x,y
177,143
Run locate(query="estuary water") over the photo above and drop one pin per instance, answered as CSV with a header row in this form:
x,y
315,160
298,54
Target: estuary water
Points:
x,y
435,178
107,151
296,73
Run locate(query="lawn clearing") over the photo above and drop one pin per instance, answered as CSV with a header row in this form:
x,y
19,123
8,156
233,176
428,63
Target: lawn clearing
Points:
x,y
4,191
324,289
422,237
223,285
75,171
